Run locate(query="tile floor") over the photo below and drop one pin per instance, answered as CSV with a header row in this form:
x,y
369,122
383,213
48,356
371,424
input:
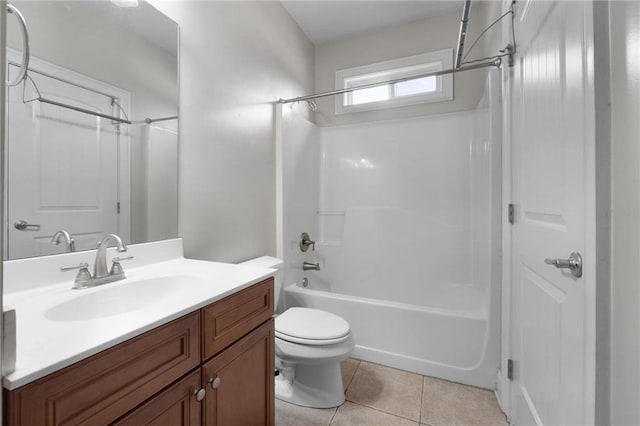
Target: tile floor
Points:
x,y
381,396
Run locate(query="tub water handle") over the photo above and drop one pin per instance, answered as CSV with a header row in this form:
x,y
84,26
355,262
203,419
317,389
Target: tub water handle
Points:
x,y
305,242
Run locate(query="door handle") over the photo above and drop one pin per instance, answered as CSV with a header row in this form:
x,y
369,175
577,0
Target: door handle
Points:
x,y
573,263
23,225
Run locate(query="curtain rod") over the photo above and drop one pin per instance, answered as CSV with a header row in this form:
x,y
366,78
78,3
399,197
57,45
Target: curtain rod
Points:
x,y
462,34
83,110
496,62
42,99
153,120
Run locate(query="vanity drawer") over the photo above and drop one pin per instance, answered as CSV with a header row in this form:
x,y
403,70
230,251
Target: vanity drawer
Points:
x,y
100,389
227,320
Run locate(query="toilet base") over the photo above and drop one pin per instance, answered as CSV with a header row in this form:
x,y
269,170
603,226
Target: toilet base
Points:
x,y
316,386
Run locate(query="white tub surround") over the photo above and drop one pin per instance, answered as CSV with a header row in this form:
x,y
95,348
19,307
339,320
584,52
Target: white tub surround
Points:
x,y
406,218
58,326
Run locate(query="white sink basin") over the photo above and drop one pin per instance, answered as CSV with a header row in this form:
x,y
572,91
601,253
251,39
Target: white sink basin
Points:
x,y
129,296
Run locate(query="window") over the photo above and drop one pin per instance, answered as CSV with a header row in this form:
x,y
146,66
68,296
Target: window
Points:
x,y
409,92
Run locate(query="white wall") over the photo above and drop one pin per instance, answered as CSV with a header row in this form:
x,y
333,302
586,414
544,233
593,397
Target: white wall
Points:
x,y
236,59
405,40
625,212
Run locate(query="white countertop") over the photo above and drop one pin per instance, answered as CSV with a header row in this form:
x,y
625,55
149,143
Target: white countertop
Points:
x,y
49,338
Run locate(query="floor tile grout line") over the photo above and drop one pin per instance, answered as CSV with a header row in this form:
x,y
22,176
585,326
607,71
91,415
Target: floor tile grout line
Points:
x,y
421,398
352,376
382,411
334,415
345,391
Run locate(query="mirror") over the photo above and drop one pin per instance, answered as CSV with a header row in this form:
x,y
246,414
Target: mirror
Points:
x,y
88,174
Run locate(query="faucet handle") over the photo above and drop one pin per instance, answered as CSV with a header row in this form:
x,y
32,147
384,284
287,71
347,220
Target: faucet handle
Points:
x,y
83,277
116,268
81,266
305,242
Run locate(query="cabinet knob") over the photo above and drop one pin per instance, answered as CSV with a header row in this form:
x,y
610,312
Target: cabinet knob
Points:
x,y
199,394
214,382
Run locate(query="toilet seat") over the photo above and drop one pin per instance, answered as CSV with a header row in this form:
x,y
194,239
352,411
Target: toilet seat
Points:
x,y
309,326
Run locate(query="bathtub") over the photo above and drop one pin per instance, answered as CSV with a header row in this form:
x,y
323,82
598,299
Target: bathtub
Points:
x,y
394,333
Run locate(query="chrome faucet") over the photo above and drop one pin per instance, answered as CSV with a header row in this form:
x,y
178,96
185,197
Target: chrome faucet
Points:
x,y
101,275
62,234
308,266
100,264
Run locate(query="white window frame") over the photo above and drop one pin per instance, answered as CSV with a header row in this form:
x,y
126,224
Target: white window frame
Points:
x,y
397,68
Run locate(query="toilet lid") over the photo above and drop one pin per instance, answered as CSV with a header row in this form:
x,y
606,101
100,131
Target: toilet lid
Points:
x,y
306,324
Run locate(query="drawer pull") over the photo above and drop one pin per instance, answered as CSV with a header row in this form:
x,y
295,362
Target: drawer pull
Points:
x,y
214,382
199,394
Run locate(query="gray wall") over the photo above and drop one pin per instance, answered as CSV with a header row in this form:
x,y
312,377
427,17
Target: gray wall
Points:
x,y
236,59
405,40
625,212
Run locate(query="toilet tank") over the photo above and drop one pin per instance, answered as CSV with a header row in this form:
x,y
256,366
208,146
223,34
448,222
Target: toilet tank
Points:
x,y
273,263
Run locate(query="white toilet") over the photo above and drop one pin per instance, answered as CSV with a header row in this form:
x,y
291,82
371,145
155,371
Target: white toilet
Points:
x,y
309,347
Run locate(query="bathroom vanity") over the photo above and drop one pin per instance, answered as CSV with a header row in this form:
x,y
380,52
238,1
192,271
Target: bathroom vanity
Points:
x,y
200,354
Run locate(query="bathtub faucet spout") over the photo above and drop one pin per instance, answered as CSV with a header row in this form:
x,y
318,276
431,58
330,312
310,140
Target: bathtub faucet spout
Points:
x,y
308,266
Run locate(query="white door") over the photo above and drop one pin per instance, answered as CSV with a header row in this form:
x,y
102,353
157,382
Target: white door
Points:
x,y
62,166
553,184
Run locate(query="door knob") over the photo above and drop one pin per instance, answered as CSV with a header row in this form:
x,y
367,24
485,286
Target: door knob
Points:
x,y
573,263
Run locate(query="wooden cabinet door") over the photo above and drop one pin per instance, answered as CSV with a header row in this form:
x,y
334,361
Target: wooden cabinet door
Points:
x,y
243,379
175,406
106,386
